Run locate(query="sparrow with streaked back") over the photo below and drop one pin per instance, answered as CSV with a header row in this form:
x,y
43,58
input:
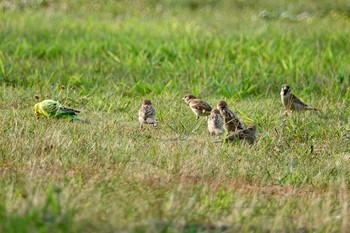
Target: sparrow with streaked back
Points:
x,y
198,106
246,135
232,123
215,123
291,102
147,114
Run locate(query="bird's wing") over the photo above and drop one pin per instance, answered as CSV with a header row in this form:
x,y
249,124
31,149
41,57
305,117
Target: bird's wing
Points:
x,y
231,117
297,100
147,111
151,112
243,133
200,105
64,110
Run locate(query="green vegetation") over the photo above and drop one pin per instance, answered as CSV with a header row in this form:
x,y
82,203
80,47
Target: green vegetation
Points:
x,y
58,176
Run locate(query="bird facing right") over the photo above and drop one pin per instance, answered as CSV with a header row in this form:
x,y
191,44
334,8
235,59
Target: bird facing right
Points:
x,y
232,123
291,102
247,135
147,114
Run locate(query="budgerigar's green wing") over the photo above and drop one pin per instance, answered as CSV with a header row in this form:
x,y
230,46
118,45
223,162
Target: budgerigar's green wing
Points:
x,y
67,112
51,108
64,110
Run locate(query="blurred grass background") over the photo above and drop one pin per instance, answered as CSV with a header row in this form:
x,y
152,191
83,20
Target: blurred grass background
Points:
x,y
226,48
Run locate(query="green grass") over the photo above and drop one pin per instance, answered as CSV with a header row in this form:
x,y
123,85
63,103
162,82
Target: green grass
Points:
x,y
58,176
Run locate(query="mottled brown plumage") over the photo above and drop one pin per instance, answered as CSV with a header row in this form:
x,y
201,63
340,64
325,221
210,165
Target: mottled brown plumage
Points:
x,y
232,123
291,102
147,114
215,123
247,135
198,106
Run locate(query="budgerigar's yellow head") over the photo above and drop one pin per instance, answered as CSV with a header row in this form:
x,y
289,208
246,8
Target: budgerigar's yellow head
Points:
x,y
36,110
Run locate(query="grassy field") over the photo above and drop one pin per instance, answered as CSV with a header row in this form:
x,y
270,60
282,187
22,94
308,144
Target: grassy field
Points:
x,y
108,176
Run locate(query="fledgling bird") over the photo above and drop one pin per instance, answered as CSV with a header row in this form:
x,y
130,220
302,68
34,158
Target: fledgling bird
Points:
x,y
198,106
232,122
247,135
291,102
215,123
147,114
53,109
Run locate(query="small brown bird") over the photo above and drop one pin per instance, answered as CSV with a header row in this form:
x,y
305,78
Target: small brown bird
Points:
x,y
198,106
247,135
291,102
215,123
147,114
232,123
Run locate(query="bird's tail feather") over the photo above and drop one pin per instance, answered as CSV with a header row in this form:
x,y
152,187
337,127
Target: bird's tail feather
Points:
x,y
311,108
152,122
76,119
219,141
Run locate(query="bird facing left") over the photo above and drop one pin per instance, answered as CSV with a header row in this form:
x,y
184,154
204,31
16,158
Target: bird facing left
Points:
x,y
53,109
291,102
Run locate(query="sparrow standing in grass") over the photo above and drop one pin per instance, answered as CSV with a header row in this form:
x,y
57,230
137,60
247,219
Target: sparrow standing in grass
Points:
x,y
215,123
147,114
232,123
198,106
247,135
53,109
291,102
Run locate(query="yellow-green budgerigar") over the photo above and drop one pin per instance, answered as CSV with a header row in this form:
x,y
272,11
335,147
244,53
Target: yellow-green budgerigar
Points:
x,y
53,109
